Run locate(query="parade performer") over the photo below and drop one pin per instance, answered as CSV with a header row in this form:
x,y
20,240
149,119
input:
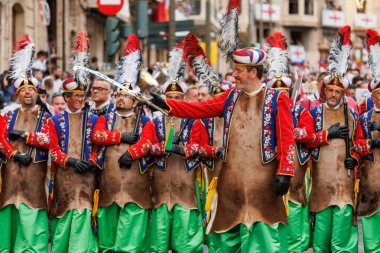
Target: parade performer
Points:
x,y
176,219
331,196
277,74
369,202
100,95
366,105
125,198
255,116
24,142
75,159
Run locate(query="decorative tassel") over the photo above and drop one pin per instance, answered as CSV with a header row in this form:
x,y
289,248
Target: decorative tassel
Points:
x,y
211,191
94,217
286,203
169,137
356,195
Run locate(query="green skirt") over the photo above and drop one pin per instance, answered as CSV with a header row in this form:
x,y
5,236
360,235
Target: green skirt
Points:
x,y
261,238
180,230
23,230
72,233
123,230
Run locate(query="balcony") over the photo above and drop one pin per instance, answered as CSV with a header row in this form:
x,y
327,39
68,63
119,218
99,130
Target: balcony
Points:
x,y
362,21
268,12
300,14
333,18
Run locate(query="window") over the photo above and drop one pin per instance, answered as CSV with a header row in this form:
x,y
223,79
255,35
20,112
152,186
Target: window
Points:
x,y
296,37
309,7
293,6
193,7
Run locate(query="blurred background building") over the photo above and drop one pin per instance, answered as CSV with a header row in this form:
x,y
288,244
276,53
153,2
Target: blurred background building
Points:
x,y
310,26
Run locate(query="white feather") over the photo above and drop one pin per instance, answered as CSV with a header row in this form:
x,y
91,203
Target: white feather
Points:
x,y
277,62
81,76
205,73
338,57
229,37
128,69
21,62
374,61
177,65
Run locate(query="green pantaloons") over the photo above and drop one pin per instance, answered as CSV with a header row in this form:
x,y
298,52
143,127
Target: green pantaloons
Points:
x,y
72,233
124,230
371,235
334,231
180,230
23,230
298,229
261,238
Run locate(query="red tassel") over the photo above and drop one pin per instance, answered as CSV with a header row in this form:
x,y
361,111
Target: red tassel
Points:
x,y
345,33
133,44
372,37
233,4
278,40
81,42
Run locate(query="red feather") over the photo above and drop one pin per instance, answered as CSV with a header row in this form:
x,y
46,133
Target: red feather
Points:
x,y
132,45
191,48
81,42
345,33
21,44
278,40
233,4
372,37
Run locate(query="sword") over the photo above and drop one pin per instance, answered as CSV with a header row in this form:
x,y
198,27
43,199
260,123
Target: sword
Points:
x,y
297,87
133,94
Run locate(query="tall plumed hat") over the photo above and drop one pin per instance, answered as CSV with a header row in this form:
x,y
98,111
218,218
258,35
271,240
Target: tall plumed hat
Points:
x,y
176,70
278,60
21,64
338,59
80,79
373,46
229,37
129,68
196,59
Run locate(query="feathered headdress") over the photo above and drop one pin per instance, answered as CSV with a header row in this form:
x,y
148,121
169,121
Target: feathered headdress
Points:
x,y
176,70
81,58
373,46
195,57
278,60
129,67
229,37
338,59
21,64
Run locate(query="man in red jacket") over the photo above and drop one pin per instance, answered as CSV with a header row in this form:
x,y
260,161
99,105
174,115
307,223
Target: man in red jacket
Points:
x,y
250,217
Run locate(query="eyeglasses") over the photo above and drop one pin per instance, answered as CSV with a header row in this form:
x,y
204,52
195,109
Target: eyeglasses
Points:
x,y
100,89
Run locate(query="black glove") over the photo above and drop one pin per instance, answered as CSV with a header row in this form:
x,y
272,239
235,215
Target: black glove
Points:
x,y
16,134
373,125
158,101
219,152
375,143
129,137
176,149
350,163
81,166
282,184
176,139
336,131
125,161
24,159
